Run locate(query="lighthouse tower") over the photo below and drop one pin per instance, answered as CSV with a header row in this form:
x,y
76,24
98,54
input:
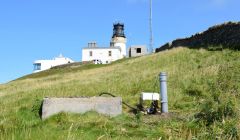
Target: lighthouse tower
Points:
x,y
119,38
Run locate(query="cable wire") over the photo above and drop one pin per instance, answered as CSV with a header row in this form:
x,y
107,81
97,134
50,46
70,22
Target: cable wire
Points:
x,y
106,93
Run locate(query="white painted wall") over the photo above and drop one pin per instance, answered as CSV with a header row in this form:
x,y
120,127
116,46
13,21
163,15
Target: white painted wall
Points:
x,y
123,48
47,64
101,54
132,51
121,43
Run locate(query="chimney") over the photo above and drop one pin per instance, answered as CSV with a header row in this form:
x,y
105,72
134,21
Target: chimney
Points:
x,y
92,44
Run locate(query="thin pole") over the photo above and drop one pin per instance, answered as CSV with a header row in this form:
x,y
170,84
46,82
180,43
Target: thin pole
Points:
x,y
151,30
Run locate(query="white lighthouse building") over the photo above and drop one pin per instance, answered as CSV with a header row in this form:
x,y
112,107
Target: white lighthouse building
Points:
x,y
41,65
116,50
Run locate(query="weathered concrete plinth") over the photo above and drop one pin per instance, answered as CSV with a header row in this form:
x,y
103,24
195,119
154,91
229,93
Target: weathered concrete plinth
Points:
x,y
111,106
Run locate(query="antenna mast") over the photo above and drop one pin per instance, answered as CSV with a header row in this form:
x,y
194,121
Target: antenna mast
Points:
x,y
151,30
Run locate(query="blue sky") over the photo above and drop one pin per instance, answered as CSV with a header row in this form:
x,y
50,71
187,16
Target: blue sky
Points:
x,y
42,29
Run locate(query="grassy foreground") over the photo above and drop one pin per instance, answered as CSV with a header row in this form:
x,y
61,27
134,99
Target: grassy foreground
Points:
x,y
203,90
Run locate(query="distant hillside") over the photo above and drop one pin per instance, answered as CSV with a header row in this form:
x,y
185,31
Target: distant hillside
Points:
x,y
222,36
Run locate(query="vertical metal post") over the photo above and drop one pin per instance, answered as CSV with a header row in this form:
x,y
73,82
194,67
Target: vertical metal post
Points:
x,y
163,92
151,30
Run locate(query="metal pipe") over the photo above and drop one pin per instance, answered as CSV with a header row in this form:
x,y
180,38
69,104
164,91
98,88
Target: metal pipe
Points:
x,y
163,92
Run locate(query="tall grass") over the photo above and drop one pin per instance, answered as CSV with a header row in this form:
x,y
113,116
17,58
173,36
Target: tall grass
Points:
x,y
199,82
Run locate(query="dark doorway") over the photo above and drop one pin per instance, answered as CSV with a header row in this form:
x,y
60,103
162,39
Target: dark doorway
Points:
x,y
139,50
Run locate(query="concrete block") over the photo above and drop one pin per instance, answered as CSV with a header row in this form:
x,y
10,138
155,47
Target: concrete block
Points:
x,y
111,106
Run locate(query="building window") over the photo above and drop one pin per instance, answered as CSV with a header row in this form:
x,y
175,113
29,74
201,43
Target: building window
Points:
x,y
139,50
37,66
90,53
109,53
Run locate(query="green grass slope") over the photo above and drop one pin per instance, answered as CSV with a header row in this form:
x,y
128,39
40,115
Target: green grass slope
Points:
x,y
203,90
218,37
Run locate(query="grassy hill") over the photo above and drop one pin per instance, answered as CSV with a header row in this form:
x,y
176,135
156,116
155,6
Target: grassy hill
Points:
x,y
218,37
203,90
